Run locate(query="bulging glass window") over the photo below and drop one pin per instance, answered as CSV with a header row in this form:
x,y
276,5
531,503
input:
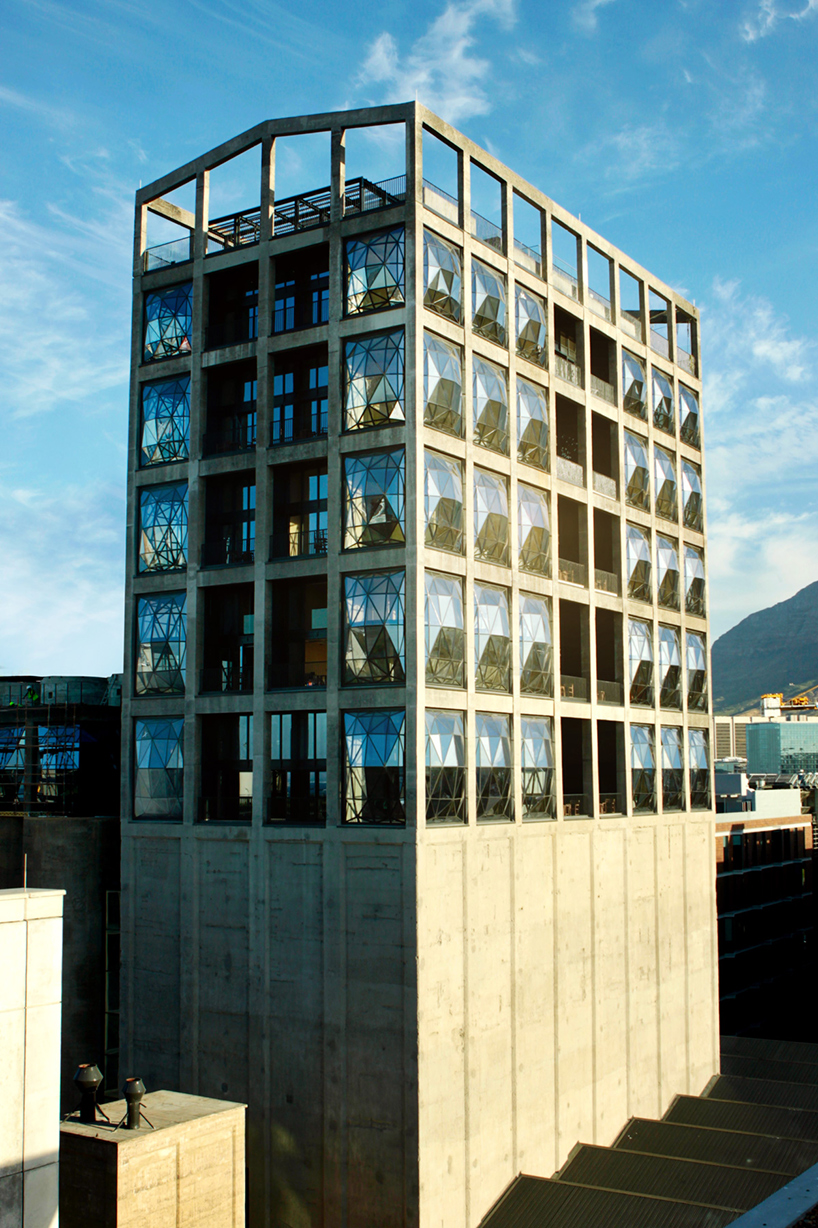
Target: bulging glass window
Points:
x,y
664,414
168,322
490,403
373,380
673,768
490,518
374,770
375,628
637,548
442,385
533,530
634,386
640,662
445,644
689,411
445,767
670,668
165,430
536,646
374,271
694,581
537,767
161,628
667,573
698,758
442,277
692,496
443,502
532,424
696,672
488,302
163,527
643,769
493,766
664,484
637,473
492,638
532,326
374,505
159,768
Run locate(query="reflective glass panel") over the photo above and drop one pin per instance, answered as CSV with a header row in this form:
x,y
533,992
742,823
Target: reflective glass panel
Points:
x,y
537,767
159,768
493,766
492,638
643,769
442,277
165,421
488,302
375,627
375,271
445,646
664,484
490,401
533,530
696,672
640,662
161,629
634,386
637,545
532,424
163,527
664,416
374,766
698,758
168,322
442,385
673,782
692,496
374,499
670,668
694,581
689,410
536,646
373,380
667,573
490,518
637,474
532,326
445,767
443,502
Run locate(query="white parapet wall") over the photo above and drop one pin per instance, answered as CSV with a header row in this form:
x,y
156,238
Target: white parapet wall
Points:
x,y
30,1011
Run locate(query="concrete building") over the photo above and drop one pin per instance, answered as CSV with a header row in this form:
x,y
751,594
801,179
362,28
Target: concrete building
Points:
x,y
417,803
731,737
788,745
30,959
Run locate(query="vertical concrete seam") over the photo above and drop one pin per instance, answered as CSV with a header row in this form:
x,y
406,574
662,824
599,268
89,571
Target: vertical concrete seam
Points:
x,y
658,941
687,956
627,935
594,1040
556,964
512,938
464,881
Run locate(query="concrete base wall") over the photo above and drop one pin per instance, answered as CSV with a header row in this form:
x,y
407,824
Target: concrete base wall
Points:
x,y
566,982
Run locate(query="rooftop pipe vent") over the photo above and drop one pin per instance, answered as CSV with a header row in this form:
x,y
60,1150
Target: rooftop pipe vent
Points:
x,y
88,1081
133,1091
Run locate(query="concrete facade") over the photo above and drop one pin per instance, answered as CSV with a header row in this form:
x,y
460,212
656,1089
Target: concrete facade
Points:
x,y
185,1168
31,960
417,1010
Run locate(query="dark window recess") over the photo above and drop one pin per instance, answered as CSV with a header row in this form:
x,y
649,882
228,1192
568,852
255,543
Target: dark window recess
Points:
x,y
566,334
231,408
603,359
228,639
298,649
572,541
577,772
574,651
299,511
607,563
604,458
570,423
227,769
298,762
609,660
232,316
299,395
230,520
611,764
302,290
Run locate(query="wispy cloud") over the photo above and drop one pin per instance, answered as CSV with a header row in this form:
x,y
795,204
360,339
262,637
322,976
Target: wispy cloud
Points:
x,y
440,69
768,15
584,15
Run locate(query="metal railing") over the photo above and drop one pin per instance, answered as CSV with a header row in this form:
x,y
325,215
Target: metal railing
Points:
x,y
606,581
440,202
528,257
566,276
225,810
236,330
233,230
306,423
604,485
487,232
361,196
166,254
575,805
570,471
608,692
573,688
598,303
293,675
237,433
298,543
602,389
224,553
225,677
571,572
567,370
611,803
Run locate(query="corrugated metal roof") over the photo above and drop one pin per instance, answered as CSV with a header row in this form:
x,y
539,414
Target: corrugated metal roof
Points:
x,y
750,1118
781,1155
714,1185
776,1050
764,1091
768,1068
536,1202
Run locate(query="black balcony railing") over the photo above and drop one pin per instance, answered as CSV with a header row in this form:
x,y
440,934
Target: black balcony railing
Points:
x,y
608,692
297,422
296,673
611,803
235,330
235,433
573,688
227,677
298,543
215,809
227,553
574,804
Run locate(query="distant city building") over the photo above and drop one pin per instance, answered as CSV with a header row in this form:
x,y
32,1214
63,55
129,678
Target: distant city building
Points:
x,y
417,791
730,737
788,745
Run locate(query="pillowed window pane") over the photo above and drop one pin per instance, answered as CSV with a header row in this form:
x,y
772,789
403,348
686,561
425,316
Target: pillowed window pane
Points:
x,y
159,768
168,322
165,421
664,415
699,767
664,484
643,769
442,385
637,546
537,764
637,474
640,662
375,627
533,530
445,767
532,326
670,668
689,410
536,646
442,277
163,527
490,398
375,271
667,573
694,581
374,767
673,784
373,380
492,638
161,623
374,499
443,502
532,424
696,672
445,646
488,302
692,496
634,386
493,766
490,518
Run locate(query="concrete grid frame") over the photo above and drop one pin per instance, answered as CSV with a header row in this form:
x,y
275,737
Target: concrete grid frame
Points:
x,y
278,945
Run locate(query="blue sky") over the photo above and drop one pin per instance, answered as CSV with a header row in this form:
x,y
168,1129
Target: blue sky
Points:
x,y
684,131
